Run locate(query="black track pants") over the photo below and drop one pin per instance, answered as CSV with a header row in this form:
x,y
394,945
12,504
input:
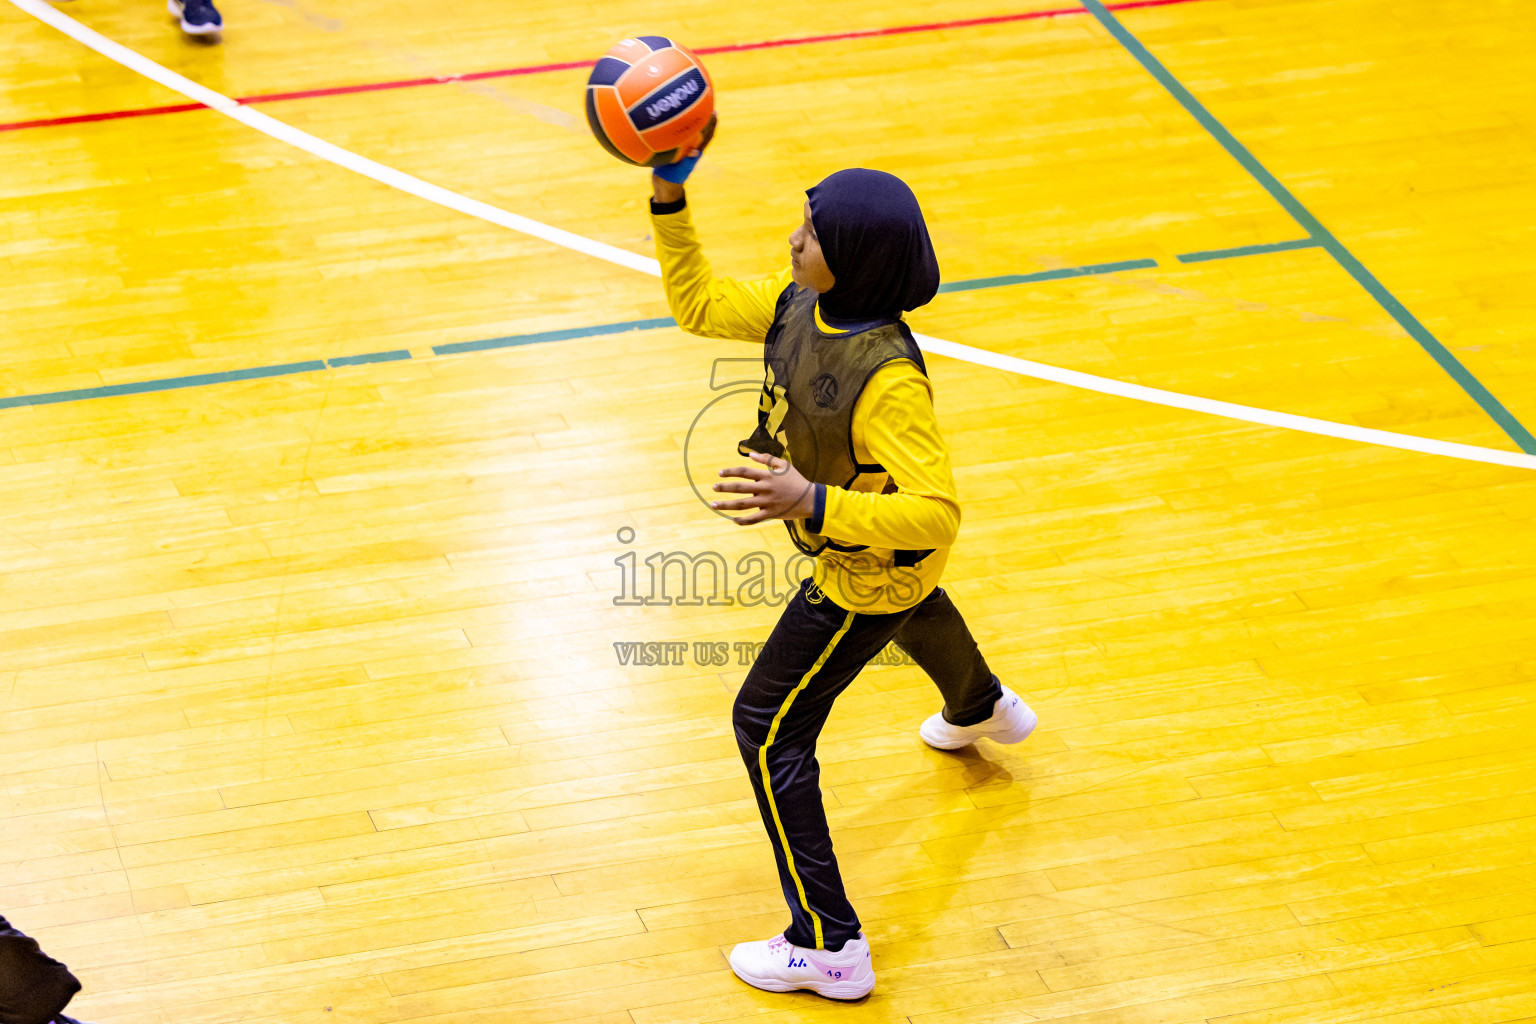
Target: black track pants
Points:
x,y
34,988
814,652
939,641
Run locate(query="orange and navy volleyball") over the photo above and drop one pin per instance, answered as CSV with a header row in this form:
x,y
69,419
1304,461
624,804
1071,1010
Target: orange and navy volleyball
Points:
x,y
648,100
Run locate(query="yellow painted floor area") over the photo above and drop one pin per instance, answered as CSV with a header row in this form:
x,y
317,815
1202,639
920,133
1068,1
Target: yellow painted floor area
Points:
x,y
311,705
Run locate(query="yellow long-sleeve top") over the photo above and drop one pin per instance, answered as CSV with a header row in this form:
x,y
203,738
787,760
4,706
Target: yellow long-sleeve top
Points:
x,y
893,425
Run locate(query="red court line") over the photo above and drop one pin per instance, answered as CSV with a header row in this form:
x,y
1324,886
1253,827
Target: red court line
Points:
x,y
537,69
110,115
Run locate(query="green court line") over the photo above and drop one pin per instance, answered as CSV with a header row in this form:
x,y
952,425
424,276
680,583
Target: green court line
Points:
x,y
1044,275
167,384
1315,230
568,333
484,344
1249,250
369,357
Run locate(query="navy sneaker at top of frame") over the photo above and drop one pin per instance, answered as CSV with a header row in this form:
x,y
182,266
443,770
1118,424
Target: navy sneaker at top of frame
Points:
x,y
198,17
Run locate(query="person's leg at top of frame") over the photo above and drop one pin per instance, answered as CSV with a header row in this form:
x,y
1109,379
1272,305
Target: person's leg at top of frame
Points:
x,y
196,17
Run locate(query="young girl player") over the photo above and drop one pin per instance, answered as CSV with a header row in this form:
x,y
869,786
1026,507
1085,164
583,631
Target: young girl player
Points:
x,y
864,485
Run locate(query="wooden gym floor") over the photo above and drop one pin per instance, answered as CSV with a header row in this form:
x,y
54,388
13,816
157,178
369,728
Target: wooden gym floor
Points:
x,y
312,705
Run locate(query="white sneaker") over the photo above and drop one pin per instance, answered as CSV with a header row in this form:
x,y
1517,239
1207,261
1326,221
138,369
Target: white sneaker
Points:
x,y
779,966
1011,721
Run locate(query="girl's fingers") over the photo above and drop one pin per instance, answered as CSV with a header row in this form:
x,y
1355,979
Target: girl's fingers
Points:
x,y
747,472
774,465
739,487
738,503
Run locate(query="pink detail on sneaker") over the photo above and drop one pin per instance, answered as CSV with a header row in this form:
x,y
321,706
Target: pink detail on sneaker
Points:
x,y
837,972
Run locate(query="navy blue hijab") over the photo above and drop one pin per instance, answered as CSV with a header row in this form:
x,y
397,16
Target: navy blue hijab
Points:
x,y
876,245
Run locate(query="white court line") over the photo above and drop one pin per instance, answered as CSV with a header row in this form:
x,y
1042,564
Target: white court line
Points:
x,y
473,207
327,151
1267,417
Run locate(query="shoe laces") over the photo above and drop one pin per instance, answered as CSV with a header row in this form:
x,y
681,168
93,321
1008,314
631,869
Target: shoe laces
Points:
x,y
780,946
